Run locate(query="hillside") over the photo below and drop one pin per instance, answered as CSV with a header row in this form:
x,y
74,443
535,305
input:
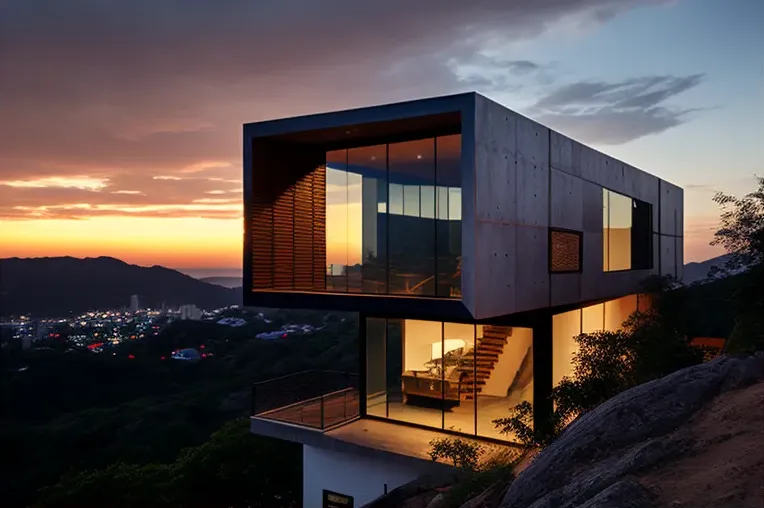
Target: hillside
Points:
x,y
57,286
226,282
688,440
697,271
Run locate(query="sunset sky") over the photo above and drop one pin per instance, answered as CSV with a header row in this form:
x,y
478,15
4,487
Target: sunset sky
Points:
x,y
120,121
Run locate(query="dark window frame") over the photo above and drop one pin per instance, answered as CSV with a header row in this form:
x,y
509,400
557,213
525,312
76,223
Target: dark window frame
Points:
x,y
649,255
580,235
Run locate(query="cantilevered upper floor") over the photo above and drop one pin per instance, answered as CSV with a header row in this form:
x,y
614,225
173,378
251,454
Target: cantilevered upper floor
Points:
x,y
473,210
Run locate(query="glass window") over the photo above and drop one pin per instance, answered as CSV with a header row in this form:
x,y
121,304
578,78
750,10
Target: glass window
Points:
x,y
454,376
392,220
617,225
376,378
336,221
459,349
411,236
367,233
449,206
565,328
504,357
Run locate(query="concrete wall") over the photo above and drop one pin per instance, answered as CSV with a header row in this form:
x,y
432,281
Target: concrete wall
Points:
x,y
359,476
529,179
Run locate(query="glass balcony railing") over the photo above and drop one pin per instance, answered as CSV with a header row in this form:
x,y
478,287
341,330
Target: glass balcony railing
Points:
x,y
318,399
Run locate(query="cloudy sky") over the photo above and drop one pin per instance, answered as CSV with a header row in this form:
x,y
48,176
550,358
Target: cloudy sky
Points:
x,y
120,121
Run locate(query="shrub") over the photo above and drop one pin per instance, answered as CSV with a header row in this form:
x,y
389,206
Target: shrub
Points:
x,y
606,363
460,452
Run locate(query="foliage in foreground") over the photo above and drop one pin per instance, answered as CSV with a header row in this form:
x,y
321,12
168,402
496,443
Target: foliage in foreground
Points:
x,y
459,452
741,233
229,470
606,364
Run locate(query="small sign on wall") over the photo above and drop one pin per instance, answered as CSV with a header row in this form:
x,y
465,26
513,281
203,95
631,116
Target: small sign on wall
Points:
x,y
335,500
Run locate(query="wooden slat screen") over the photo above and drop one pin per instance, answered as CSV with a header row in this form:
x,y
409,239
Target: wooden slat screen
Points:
x,y
303,233
288,223
319,228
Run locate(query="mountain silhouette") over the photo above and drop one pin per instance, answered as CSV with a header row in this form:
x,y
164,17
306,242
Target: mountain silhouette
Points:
x,y
59,286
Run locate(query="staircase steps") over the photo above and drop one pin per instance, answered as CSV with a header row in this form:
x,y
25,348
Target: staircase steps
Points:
x,y
487,351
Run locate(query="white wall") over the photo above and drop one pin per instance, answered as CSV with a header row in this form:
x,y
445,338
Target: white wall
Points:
x,y
362,477
511,357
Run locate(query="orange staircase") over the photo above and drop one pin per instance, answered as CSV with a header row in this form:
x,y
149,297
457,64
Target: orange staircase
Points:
x,y
487,351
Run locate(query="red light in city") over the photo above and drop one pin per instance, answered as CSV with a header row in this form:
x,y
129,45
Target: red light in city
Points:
x,y
204,355
131,357
163,358
201,347
284,336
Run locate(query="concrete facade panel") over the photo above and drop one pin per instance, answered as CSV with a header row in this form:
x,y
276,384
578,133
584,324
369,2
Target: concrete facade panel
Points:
x,y
532,140
567,201
593,276
565,154
531,268
670,209
679,246
532,194
495,273
592,207
668,255
566,288
495,151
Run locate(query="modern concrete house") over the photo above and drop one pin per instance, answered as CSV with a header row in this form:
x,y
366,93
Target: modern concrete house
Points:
x,y
474,244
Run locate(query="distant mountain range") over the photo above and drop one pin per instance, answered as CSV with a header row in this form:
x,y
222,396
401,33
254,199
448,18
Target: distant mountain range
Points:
x,y
59,286
226,282
697,271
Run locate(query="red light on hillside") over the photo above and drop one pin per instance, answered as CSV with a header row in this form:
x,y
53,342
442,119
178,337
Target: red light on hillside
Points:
x,y
163,358
204,355
284,336
201,347
131,357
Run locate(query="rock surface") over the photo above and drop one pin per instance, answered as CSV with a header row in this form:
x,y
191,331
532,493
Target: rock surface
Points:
x,y
670,442
630,433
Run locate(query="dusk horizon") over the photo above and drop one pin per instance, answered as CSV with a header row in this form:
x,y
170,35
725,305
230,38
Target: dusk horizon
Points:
x,y
148,166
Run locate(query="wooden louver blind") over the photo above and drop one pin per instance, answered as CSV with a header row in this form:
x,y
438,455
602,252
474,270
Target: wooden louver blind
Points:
x,y
289,232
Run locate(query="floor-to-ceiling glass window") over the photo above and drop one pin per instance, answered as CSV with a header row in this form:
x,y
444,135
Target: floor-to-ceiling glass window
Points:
x,y
411,228
451,376
393,218
505,374
367,180
376,365
337,221
448,196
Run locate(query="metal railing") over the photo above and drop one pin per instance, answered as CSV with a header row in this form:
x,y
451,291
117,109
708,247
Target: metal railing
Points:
x,y
318,399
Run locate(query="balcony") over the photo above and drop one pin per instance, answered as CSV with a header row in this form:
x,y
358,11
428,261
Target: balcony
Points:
x,y
316,399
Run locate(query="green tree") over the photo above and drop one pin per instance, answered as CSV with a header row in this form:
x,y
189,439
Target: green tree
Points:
x,y
232,469
741,233
607,363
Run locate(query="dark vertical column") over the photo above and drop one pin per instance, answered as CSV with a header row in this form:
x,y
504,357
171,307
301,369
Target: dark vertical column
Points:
x,y
542,369
362,367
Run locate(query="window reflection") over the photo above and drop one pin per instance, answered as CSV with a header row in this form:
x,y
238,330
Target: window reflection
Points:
x,y
393,218
411,251
336,221
617,225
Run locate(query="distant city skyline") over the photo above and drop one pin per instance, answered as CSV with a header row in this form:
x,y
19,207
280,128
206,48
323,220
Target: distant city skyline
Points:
x,y
142,161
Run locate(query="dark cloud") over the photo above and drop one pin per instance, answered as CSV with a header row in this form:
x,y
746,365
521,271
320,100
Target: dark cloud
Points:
x,y
130,89
616,113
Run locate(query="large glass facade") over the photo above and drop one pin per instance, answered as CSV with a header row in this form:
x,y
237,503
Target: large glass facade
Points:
x,y
608,316
452,376
393,218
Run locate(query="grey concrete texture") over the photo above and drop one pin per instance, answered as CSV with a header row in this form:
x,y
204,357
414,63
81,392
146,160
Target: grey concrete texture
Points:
x,y
590,464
